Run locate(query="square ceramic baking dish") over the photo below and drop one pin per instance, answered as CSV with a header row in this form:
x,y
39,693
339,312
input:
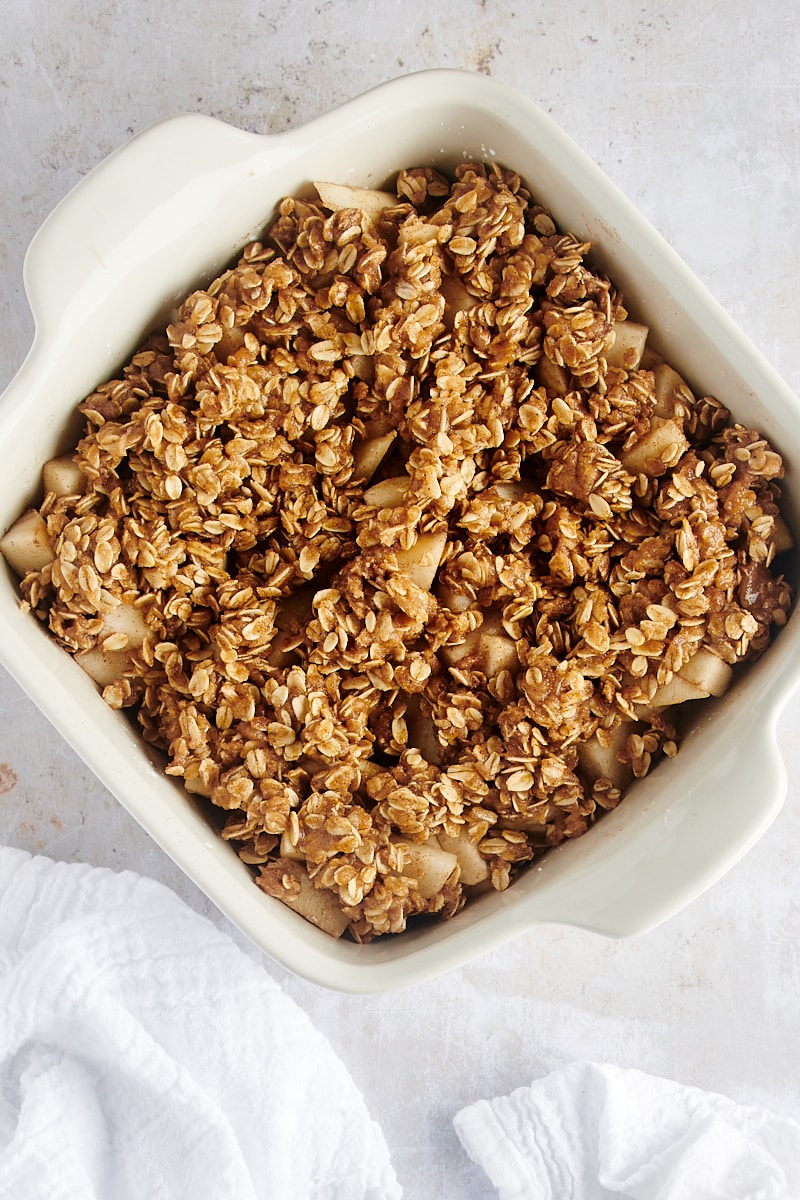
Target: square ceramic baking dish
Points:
x,y
168,211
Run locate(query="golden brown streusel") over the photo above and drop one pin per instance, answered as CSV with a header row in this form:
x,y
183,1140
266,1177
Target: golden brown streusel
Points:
x,y
394,745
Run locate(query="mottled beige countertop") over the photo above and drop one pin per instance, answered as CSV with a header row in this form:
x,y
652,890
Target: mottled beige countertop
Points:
x,y
695,114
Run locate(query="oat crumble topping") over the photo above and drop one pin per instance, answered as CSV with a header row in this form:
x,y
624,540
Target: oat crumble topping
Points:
x,y
416,553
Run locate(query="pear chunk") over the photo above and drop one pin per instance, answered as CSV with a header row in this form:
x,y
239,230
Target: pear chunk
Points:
x,y
421,561
677,691
317,905
127,619
338,196
291,619
513,490
296,609
782,536
363,367
599,761
661,447
289,850
457,602
429,866
474,867
63,477
196,786
552,377
457,299
389,493
369,454
26,547
628,346
280,652
670,390
708,672
232,340
422,732
105,663
488,649
702,676
104,666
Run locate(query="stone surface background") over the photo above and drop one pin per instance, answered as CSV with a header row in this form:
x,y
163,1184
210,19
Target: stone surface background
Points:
x,y
694,112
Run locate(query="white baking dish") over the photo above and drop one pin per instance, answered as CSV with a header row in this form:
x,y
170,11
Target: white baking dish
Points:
x,y
168,211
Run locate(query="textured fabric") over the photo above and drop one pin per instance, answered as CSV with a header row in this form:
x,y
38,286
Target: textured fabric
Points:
x,y
594,1132
142,1054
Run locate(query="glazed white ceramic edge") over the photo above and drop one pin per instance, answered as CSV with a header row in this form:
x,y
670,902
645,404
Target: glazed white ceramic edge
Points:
x,y
115,252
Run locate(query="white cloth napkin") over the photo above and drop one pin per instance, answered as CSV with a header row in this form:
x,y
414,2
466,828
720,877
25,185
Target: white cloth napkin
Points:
x,y
595,1132
142,1054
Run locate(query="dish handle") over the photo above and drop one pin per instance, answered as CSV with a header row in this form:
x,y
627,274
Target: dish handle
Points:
x,y
652,857
137,196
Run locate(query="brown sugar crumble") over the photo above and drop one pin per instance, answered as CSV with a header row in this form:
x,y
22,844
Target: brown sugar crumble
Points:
x,y
403,546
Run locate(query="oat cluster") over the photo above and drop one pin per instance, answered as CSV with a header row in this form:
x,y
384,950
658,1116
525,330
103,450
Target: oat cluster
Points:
x,y
294,670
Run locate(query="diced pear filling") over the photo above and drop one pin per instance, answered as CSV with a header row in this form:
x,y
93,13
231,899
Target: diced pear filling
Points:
x,y
195,785
63,477
628,346
676,691
289,849
104,666
670,390
281,649
782,536
124,629
474,867
369,454
429,866
457,602
457,299
26,546
704,675
338,196
600,759
126,619
389,493
317,905
553,377
488,649
292,616
421,561
512,490
422,732
363,367
708,672
661,447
